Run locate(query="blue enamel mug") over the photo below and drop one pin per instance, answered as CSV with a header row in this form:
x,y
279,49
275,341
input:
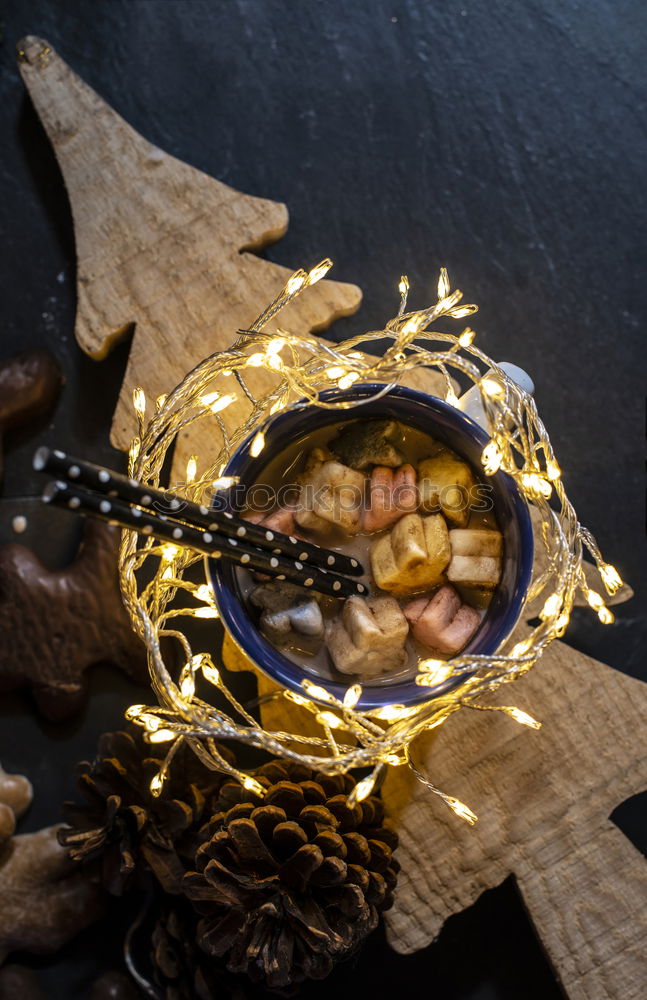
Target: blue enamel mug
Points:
x,y
446,424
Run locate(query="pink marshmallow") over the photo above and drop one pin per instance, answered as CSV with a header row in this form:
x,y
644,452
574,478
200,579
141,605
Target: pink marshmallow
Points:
x,y
392,494
442,623
255,516
414,609
459,632
281,519
437,611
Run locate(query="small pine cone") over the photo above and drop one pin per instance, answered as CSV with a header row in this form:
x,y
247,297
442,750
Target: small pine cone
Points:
x,y
121,824
173,955
180,969
291,884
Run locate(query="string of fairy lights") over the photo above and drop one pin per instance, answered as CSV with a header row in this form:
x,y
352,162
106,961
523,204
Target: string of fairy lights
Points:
x,y
154,576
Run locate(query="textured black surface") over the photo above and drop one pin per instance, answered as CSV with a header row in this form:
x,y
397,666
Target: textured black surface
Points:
x,y
504,140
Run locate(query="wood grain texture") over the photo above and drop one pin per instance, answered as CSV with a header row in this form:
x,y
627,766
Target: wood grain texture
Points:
x,y
543,800
159,245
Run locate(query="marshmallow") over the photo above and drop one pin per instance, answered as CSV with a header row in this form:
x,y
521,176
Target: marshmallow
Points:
x,y
442,623
331,493
369,638
476,557
392,494
373,442
281,519
413,556
290,615
445,485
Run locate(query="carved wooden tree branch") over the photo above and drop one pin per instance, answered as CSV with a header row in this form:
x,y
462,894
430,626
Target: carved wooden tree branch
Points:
x,y
544,800
160,245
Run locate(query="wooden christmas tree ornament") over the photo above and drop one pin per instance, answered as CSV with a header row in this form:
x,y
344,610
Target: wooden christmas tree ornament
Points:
x,y
163,249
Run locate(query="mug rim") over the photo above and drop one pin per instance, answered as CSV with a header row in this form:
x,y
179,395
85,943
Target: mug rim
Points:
x,y
266,657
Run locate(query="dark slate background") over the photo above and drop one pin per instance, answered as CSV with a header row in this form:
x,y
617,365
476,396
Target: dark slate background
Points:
x,y
504,140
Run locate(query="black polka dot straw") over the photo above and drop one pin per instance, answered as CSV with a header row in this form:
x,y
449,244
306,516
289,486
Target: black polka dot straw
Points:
x,y
103,480
240,551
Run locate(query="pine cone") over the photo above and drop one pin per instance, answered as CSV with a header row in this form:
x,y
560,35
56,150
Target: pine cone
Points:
x,y
121,823
289,885
181,970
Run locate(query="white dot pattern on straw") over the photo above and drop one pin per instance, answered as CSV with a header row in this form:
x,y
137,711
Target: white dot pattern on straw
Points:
x,y
300,555
59,454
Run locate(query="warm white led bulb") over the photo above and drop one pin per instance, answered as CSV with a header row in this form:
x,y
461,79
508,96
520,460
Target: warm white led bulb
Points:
x,y
157,782
443,284
139,401
296,282
320,271
257,445
352,696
